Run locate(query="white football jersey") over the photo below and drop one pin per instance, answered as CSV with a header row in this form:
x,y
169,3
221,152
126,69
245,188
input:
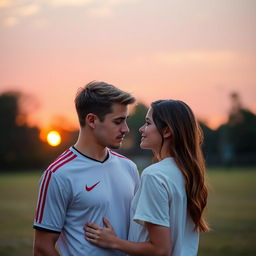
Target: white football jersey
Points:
x,y
76,189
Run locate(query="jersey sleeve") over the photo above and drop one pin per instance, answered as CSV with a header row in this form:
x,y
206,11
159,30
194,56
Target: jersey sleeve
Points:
x,y
153,202
53,199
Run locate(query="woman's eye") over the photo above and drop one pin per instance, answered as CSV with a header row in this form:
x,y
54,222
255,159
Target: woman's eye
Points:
x,y
147,123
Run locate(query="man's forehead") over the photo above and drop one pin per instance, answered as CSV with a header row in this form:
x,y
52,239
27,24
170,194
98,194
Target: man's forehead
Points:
x,y
118,106
118,111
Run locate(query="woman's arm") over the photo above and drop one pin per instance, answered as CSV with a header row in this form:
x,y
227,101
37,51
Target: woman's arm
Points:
x,y
158,244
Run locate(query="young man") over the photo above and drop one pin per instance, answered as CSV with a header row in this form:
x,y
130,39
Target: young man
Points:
x,y
88,181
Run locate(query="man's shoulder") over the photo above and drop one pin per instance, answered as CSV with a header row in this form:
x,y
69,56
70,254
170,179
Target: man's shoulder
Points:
x,y
122,158
63,162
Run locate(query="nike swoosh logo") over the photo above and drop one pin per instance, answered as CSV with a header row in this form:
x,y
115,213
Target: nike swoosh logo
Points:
x,y
92,187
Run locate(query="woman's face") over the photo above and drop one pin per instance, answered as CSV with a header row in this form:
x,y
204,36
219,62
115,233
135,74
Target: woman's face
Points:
x,y
150,136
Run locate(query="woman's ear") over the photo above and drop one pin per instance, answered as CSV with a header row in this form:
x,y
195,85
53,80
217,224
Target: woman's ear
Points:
x,y
167,133
90,120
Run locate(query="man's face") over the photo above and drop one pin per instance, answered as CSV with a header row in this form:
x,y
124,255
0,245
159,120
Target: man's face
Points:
x,y
111,131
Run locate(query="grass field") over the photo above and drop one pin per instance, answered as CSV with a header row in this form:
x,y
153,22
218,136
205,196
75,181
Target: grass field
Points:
x,y
231,213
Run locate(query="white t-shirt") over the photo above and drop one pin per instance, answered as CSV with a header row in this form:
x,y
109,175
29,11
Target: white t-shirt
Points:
x,y
76,189
161,199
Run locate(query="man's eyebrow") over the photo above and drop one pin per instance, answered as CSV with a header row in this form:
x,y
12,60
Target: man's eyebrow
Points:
x,y
120,118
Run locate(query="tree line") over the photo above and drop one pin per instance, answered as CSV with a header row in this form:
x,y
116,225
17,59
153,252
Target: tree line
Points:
x,y
232,144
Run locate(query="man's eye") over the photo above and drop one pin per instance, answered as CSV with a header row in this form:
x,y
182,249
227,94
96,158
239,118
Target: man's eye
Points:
x,y
117,122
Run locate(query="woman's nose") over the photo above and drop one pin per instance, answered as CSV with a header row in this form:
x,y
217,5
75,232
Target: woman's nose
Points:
x,y
141,128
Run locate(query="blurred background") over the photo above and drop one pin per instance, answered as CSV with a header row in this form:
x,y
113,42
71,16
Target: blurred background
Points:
x,y
201,52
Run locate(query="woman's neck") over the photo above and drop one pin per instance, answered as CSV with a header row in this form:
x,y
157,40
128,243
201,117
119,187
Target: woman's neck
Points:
x,y
164,152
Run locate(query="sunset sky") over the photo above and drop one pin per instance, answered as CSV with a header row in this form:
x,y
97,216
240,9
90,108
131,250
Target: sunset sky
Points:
x,y
198,51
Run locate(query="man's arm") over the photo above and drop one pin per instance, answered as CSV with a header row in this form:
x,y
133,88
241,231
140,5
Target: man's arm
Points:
x,y
44,243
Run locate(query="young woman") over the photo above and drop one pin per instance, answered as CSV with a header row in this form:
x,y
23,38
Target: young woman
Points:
x,y
167,210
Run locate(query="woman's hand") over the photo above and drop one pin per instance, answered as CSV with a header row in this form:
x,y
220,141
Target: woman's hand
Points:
x,y
103,237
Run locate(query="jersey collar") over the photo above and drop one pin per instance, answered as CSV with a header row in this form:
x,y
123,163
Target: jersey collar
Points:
x,y
107,157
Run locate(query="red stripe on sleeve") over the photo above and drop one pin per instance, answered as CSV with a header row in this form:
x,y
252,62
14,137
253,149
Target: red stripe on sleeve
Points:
x,y
59,165
40,196
44,197
60,159
64,155
115,154
65,152
43,192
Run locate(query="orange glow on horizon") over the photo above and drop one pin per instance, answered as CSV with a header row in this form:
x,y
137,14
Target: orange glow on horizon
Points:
x,y
165,57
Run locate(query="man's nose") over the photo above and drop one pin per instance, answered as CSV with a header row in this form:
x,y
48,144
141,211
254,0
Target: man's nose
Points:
x,y
125,128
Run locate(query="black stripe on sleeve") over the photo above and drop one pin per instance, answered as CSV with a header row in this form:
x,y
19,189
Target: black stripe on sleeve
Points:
x,y
46,230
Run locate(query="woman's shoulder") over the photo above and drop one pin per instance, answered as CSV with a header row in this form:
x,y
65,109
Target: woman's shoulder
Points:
x,y
165,170
166,165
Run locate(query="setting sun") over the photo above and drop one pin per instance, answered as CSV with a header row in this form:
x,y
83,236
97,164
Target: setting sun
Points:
x,y
53,138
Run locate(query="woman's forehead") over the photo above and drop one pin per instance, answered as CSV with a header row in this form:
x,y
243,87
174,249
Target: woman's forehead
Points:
x,y
149,113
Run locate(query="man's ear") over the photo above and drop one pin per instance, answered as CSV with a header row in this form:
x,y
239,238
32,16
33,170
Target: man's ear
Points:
x,y
167,133
90,120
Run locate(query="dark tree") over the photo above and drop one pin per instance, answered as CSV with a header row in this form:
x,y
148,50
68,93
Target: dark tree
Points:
x,y
19,143
237,138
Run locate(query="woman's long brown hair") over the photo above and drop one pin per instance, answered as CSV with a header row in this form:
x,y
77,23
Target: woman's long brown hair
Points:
x,y
186,150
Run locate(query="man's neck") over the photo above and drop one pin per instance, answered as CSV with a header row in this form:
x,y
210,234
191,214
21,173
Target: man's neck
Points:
x,y
87,146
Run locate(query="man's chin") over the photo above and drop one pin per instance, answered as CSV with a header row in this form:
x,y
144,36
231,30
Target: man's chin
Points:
x,y
117,146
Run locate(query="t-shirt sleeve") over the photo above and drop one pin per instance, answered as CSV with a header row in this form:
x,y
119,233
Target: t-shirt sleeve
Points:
x,y
136,177
153,203
53,198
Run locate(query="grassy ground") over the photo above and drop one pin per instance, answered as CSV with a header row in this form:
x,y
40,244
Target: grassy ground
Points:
x,y
231,213
18,194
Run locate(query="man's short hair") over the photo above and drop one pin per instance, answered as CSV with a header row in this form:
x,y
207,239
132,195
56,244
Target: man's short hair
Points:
x,y
98,98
